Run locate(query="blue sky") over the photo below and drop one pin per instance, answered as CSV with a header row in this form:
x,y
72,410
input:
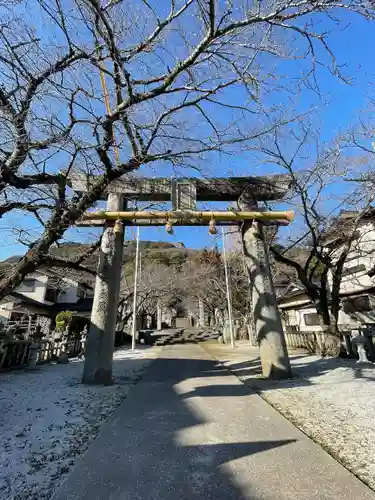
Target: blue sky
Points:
x,y
340,108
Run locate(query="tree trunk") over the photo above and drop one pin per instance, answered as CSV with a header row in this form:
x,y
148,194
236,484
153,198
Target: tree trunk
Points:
x,y
328,341
329,345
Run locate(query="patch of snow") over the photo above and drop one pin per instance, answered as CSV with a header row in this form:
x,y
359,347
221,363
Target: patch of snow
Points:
x,y
331,400
334,403
48,418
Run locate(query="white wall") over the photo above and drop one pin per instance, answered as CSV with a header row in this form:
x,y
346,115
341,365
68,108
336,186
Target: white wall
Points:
x,y
38,294
356,281
40,287
41,283
296,318
362,253
5,311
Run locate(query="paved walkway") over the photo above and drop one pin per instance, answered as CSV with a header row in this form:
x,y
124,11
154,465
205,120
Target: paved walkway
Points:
x,y
191,430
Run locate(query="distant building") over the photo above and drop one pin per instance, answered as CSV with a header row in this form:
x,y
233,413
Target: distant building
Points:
x,y
357,290
46,292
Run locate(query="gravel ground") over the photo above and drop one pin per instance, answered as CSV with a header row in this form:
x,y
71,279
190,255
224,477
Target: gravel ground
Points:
x,y
336,407
331,400
48,419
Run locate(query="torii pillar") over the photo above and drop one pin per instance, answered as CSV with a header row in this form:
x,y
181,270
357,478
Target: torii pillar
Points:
x,y
266,314
101,337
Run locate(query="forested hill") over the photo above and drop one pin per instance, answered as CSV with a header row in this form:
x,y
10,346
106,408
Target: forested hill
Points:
x,y
152,252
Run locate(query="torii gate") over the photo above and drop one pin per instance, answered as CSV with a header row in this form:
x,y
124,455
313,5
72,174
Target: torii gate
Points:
x,y
184,193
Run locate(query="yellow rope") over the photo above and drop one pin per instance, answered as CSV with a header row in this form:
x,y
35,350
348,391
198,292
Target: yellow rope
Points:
x,y
109,111
108,107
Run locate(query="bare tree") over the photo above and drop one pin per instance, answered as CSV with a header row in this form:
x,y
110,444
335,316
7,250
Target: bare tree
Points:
x,y
361,139
199,277
172,74
157,282
203,278
328,216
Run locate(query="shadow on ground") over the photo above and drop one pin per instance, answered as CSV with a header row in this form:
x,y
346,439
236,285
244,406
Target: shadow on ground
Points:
x,y
156,447
251,371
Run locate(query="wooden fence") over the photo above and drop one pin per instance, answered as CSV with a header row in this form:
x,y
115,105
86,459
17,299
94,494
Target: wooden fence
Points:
x,y
50,350
17,353
312,342
24,326
302,340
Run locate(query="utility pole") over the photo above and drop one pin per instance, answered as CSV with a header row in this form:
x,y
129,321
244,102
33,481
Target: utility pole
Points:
x,y
202,321
134,326
229,295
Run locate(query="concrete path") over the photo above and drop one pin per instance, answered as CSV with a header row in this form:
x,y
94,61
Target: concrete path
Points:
x,y
191,430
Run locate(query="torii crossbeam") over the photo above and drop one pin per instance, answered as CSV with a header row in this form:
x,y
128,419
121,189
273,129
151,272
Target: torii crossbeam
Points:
x,y
187,217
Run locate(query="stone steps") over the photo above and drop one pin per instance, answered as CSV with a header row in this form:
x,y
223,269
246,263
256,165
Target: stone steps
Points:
x,y
188,336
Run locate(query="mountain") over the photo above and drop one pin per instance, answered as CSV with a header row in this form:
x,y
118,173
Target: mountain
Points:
x,y
152,251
